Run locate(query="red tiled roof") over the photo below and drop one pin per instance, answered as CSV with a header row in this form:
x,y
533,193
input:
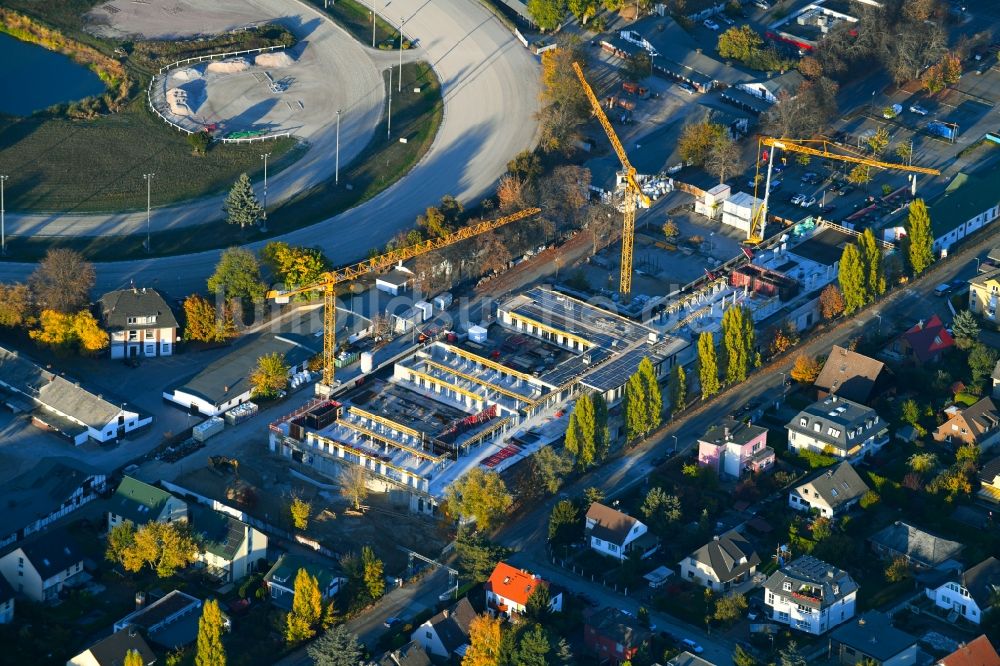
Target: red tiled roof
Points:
x,y
927,339
513,584
979,652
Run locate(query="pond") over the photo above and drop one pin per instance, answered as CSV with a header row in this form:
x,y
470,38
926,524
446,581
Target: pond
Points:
x,y
34,78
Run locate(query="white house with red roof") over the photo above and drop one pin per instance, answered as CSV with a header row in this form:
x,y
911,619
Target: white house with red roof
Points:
x,y
508,590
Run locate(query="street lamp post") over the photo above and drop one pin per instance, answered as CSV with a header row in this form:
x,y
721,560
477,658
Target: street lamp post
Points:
x,y
402,22
388,122
149,183
264,157
3,233
336,163
373,23
675,443
879,317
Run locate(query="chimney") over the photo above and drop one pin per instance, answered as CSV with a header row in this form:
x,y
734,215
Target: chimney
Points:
x,y
446,612
140,599
920,325
725,433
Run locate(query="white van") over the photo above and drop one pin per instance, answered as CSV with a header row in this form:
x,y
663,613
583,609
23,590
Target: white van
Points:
x,y
942,290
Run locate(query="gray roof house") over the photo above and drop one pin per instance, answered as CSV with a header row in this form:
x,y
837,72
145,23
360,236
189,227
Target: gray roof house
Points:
x,y
42,566
111,651
847,428
231,549
830,491
810,595
225,383
446,635
139,323
62,406
724,562
170,622
411,654
922,549
141,503
969,594
872,636
280,580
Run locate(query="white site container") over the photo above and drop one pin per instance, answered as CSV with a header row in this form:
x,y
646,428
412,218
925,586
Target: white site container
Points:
x,y
443,301
367,362
426,309
477,334
206,429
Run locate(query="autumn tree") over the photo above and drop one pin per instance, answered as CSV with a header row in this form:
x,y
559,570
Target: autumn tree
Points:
x,y
480,495
739,342
919,237
62,281
582,10
209,648
550,468
581,432
671,230
374,573
512,192
723,158
921,463
860,175
852,279
566,106
354,484
898,569
697,139
300,511
547,14
643,401
292,265
242,206
15,304
951,68
164,547
878,141
70,332
133,658
810,67
306,615
871,260
651,392
730,607
805,370
831,302
237,275
485,635
804,112
739,43
677,388
708,365
783,338
270,377
205,323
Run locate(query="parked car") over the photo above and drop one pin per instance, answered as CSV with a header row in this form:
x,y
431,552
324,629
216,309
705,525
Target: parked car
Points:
x,y
810,177
391,622
942,290
728,20
798,199
687,88
762,4
919,110
691,646
775,184
826,210
710,24
808,203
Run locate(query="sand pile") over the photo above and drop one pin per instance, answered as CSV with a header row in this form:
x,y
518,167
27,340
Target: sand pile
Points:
x,y
177,101
186,74
231,66
280,59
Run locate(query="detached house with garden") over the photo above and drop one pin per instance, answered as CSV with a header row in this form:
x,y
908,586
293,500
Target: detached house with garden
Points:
x,y
830,492
611,532
139,323
733,449
970,594
839,427
722,564
978,424
509,588
810,595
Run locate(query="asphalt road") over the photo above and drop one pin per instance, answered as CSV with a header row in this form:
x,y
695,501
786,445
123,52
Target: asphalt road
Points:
x,y
528,533
490,88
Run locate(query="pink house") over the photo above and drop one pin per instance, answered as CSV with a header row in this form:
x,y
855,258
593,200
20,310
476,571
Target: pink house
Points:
x,y
731,448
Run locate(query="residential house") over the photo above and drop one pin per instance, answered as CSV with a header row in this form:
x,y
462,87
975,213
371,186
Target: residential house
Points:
x,y
687,659
872,638
810,595
49,490
772,89
851,375
508,590
989,481
225,383
969,203
41,567
614,636
970,594
170,622
978,424
977,652
725,562
139,323
921,549
142,503
280,580
395,282
446,635
7,595
611,532
925,342
843,428
984,291
111,651
411,654
830,491
231,549
732,448
59,405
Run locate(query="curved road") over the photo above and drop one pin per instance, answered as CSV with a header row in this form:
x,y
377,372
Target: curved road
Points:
x,y
490,88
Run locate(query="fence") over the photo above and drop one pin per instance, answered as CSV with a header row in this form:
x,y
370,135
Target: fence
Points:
x,y
202,58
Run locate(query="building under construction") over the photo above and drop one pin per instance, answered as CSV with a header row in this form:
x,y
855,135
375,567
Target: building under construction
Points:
x,y
489,398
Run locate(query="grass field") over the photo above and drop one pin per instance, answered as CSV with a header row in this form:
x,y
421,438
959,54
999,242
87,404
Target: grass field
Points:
x,y
355,16
415,116
82,166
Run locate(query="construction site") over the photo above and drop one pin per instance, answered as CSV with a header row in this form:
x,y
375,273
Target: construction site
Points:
x,y
489,396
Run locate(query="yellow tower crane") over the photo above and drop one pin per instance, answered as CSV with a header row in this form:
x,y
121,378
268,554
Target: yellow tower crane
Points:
x,y
633,193
757,226
327,283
